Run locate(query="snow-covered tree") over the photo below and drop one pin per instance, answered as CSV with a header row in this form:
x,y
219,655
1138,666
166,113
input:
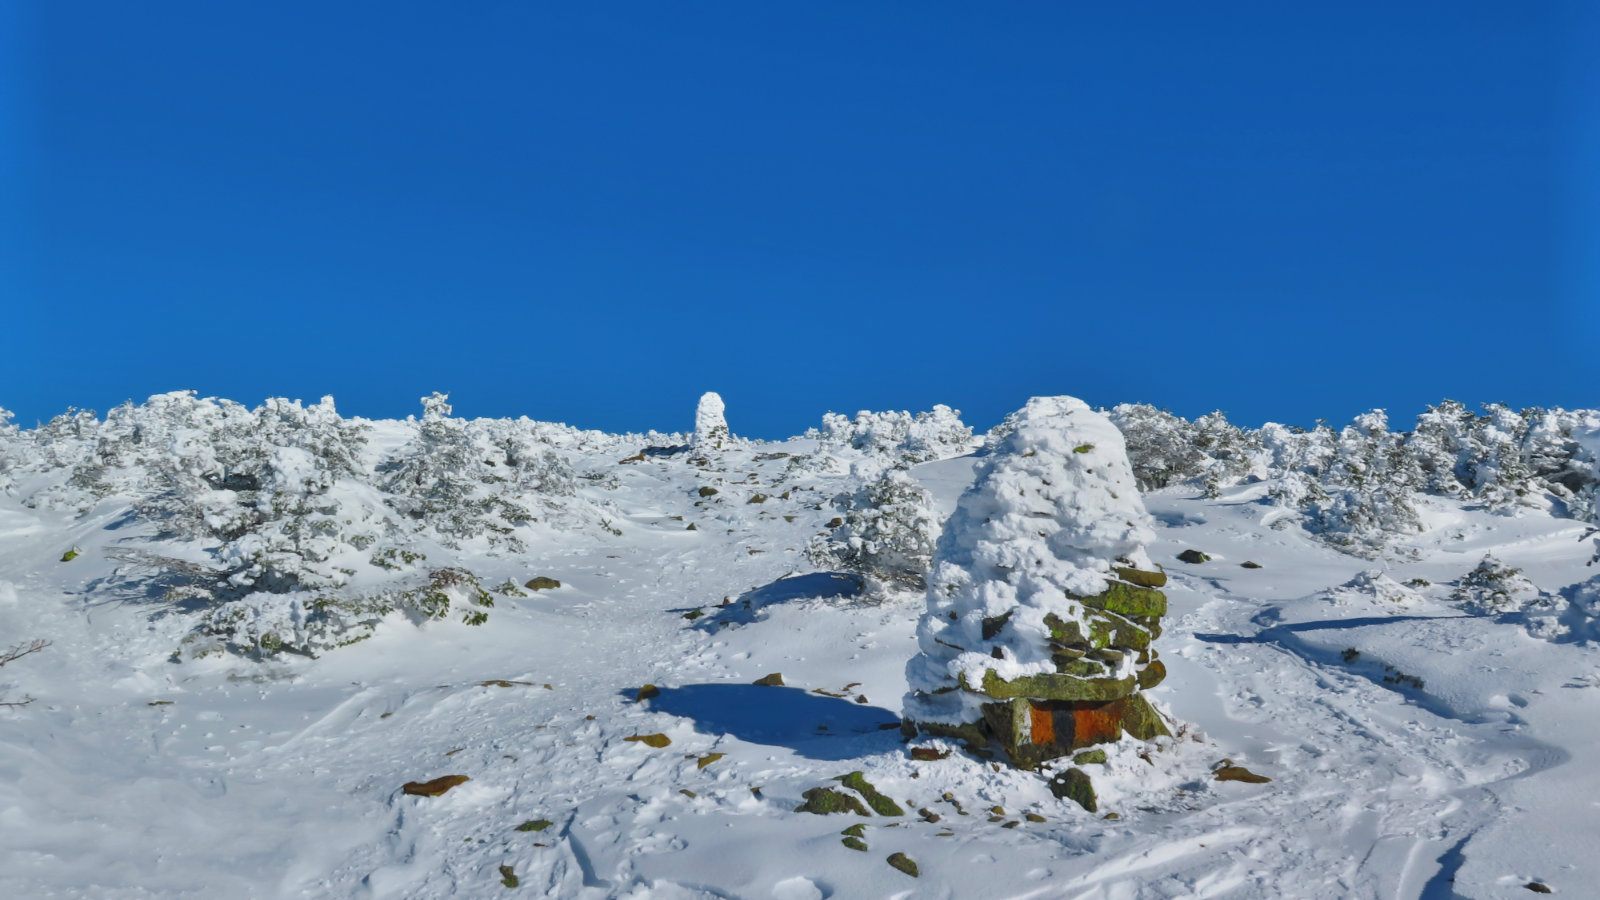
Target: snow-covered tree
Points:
x,y
1162,447
899,437
1368,486
453,479
887,533
1493,587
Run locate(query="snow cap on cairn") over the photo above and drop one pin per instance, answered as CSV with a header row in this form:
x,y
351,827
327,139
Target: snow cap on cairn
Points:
x,y
1049,514
710,427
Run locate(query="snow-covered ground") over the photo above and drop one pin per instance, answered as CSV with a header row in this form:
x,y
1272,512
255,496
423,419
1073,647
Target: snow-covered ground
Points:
x,y
1415,750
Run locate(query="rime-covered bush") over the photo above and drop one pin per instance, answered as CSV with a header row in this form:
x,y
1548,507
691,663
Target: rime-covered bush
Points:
x,y
11,451
1161,446
887,533
1367,489
465,483
274,496
900,437
1051,511
1493,588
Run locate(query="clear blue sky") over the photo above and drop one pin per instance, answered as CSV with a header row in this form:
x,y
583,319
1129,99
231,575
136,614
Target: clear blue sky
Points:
x,y
593,212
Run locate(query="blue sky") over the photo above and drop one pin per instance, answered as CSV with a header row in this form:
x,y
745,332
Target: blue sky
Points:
x,y
592,213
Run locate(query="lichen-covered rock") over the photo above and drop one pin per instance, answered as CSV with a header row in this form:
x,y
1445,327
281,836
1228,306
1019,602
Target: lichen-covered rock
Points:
x,y
1074,784
880,804
1193,557
904,863
541,583
825,801
1042,603
435,787
773,680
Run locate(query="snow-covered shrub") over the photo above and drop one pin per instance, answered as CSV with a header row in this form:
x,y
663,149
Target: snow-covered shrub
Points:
x,y
1050,513
710,423
261,624
1232,453
886,535
273,496
1493,588
11,450
1374,584
454,480
1161,446
1368,488
900,437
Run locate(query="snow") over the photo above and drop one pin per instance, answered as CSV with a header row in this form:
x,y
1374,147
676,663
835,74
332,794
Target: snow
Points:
x,y
1448,756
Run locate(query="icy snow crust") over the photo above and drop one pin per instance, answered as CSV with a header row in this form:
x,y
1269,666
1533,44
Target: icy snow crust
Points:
x,y
133,776
1051,509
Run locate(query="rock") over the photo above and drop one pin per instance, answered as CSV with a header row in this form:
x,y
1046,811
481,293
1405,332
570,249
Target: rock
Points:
x,y
1049,686
1089,758
928,754
1193,556
709,492
824,801
1154,673
1034,817
508,876
1128,600
904,863
435,787
693,614
646,692
854,843
1140,577
535,825
541,583
708,759
71,555
1538,887
1238,773
657,740
501,682
856,830
880,804
1074,785
773,680
1247,564
928,815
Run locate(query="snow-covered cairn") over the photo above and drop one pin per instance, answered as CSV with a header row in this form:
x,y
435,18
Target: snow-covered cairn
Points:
x,y
710,426
1041,604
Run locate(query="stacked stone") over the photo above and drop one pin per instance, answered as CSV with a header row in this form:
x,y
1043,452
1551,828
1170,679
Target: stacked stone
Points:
x,y
1092,697
1042,604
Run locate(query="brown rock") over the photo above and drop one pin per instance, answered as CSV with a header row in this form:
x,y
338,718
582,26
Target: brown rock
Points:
x,y
435,787
657,740
773,680
1238,773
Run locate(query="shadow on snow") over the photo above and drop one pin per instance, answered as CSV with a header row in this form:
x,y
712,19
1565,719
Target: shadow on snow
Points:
x,y
812,725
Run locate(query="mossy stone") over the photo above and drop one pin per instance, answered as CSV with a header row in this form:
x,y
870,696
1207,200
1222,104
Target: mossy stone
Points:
x,y
508,877
1127,599
709,492
1090,758
656,740
70,555
1238,773
1074,784
708,759
541,583
904,863
1152,675
1050,686
1194,557
773,680
854,843
535,825
856,830
824,801
1141,720
880,804
1140,577
646,692
435,787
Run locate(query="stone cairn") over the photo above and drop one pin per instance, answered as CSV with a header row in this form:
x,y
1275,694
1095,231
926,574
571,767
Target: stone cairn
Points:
x,y
1042,605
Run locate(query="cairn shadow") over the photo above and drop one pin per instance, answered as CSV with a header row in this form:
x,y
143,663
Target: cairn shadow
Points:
x,y
749,606
812,725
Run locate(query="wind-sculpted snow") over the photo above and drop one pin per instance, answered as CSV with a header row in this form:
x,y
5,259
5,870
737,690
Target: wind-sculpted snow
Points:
x,y
1424,739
